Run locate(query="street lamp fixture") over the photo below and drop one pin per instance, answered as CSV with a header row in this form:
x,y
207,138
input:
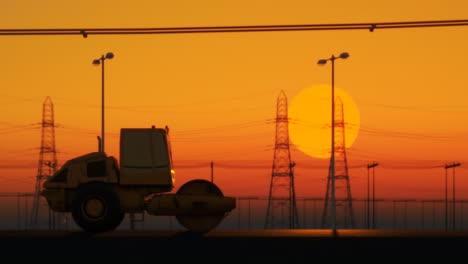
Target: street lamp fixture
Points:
x,y
107,56
343,55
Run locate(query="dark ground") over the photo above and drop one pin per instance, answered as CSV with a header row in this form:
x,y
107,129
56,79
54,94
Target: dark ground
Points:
x,y
284,246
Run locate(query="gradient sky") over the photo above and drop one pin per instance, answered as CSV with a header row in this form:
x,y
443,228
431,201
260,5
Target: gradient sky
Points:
x,y
217,92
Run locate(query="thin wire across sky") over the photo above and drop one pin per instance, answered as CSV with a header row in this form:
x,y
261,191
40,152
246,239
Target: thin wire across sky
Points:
x,y
370,26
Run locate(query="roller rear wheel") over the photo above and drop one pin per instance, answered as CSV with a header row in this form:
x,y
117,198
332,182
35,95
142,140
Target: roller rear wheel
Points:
x,y
96,208
200,223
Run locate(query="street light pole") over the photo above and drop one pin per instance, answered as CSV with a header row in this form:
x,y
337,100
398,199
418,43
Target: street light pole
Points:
x,y
368,197
343,55
102,104
452,166
333,202
373,195
211,166
369,166
446,199
101,60
453,196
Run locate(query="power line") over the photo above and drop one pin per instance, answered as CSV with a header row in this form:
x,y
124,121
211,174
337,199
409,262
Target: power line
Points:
x,y
19,128
371,26
421,108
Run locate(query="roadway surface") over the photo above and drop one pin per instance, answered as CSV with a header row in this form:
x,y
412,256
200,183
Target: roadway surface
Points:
x,y
220,246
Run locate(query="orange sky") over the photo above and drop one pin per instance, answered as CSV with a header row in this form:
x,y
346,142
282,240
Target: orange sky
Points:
x,y
217,92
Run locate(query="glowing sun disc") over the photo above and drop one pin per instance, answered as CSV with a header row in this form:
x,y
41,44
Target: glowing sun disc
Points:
x,y
310,125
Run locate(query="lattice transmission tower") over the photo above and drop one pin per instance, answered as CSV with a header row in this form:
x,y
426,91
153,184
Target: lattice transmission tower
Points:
x,y
343,199
47,156
282,209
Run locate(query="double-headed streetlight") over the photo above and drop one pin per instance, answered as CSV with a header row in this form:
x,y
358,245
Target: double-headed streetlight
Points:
x,y
343,55
450,166
371,166
109,55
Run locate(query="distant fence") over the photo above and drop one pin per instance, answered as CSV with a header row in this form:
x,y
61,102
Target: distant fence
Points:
x,y
250,213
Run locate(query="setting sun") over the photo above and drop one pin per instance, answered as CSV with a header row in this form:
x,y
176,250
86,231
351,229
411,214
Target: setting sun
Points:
x,y
310,113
